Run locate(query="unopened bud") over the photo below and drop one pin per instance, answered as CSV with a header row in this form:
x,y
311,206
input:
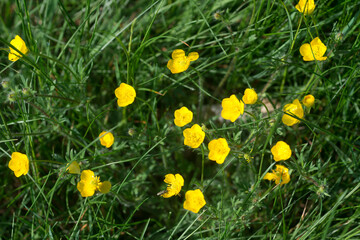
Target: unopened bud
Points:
x,y
217,16
5,84
25,91
131,132
11,97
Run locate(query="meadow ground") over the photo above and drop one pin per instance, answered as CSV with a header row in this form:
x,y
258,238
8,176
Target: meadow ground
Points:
x,y
58,97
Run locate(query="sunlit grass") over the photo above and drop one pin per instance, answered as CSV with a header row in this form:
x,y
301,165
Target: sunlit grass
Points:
x,y
58,98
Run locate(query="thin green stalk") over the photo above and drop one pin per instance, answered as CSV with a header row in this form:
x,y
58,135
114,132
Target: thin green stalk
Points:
x,y
202,164
282,213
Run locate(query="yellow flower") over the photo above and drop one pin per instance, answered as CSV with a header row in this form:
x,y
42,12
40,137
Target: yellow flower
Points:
x,y
194,200
281,174
281,151
309,100
20,45
175,182
106,139
89,183
179,62
219,150
19,163
194,136
126,95
315,49
250,96
232,108
183,116
73,168
294,108
305,6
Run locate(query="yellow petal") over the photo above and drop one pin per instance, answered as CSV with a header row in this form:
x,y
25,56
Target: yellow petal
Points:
x,y
183,116
305,6
73,168
178,53
232,108
320,46
270,176
87,175
179,62
170,65
281,151
299,112
305,51
126,95
104,187
179,179
283,174
20,45
194,136
175,182
106,139
294,108
280,175
19,164
86,189
309,100
194,200
168,193
169,178
250,96
193,56
219,150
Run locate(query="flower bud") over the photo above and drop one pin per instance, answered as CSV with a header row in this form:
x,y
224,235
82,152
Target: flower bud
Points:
x,y
25,91
11,97
217,16
5,84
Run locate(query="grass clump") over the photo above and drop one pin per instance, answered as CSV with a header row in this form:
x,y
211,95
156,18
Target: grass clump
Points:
x,y
58,99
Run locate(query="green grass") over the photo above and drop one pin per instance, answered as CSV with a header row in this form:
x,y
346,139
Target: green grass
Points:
x,y
80,52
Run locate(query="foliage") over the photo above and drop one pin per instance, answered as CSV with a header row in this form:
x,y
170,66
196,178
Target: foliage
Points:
x,y
59,97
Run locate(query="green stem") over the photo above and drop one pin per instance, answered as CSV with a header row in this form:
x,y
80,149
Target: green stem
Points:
x,y
272,130
283,213
297,32
202,165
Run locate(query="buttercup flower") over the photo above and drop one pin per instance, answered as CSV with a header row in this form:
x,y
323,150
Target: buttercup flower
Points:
x,y
315,49
73,168
106,139
281,173
90,183
179,62
126,95
305,6
309,100
183,116
194,200
250,96
175,182
219,150
281,151
232,108
294,108
194,136
20,45
19,163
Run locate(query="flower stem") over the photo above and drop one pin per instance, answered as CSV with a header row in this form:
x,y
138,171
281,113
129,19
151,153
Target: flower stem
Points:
x,y
283,213
202,165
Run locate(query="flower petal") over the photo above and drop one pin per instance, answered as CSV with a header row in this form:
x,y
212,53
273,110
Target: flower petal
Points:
x,y
193,56
104,187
